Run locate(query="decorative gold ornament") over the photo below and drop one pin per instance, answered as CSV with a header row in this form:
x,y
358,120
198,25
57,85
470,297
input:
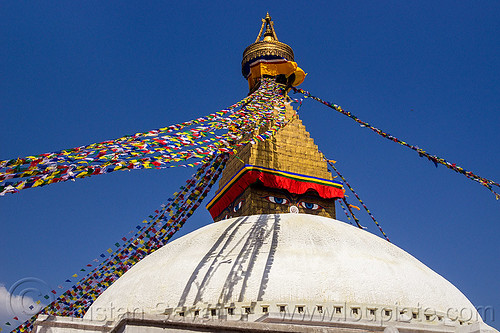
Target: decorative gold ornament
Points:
x,y
269,46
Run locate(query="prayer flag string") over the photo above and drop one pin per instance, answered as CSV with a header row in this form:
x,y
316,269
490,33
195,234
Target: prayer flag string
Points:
x,y
345,212
422,153
146,150
330,163
352,213
78,298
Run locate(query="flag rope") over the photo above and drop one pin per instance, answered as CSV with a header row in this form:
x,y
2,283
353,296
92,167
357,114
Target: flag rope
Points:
x,y
330,163
422,153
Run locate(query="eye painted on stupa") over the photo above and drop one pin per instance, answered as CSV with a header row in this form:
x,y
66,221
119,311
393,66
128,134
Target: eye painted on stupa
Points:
x,y
277,200
237,207
309,205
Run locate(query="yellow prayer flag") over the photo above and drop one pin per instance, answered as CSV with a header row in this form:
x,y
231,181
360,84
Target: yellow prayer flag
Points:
x,y
37,183
109,250
356,207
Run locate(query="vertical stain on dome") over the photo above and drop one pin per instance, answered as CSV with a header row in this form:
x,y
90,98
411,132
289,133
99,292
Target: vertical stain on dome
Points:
x,y
262,234
245,261
237,265
270,257
210,254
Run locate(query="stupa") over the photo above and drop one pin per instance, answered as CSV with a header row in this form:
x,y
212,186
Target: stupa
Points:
x,y
276,259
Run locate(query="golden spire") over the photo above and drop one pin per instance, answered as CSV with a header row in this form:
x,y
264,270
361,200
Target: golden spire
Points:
x,y
270,34
268,47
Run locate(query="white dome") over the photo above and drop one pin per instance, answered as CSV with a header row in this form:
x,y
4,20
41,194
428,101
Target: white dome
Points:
x,y
288,259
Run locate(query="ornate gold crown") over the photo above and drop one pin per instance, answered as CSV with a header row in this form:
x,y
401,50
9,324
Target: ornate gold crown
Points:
x,y
269,46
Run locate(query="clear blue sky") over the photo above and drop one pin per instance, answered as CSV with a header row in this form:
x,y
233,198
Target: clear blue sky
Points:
x,y
74,73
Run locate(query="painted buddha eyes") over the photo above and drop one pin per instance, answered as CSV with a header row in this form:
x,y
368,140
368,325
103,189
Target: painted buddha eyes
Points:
x,y
277,200
283,201
238,206
309,205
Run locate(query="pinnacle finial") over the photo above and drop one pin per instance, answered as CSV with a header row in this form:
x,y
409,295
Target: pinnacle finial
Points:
x,y
269,34
268,48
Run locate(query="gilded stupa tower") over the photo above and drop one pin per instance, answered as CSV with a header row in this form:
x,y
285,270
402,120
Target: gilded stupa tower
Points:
x,y
286,174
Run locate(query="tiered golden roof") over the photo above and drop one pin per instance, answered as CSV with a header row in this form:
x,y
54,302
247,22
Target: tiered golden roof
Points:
x,y
292,149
